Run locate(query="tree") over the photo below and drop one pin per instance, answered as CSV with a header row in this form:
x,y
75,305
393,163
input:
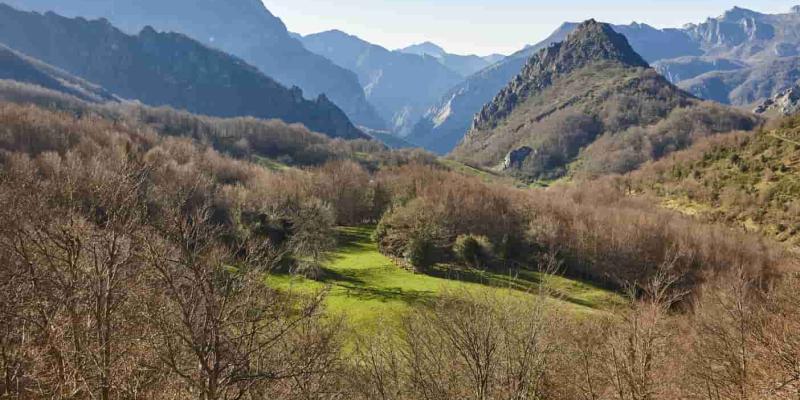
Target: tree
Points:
x,y
219,329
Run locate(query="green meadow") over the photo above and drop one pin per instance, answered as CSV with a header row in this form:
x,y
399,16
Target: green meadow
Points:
x,y
367,287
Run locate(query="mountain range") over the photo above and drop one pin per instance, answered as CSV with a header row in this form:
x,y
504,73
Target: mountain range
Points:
x,y
741,58
161,69
243,28
421,93
463,65
401,86
574,99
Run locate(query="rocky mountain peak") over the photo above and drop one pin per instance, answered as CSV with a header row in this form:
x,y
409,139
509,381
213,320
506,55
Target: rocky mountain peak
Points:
x,y
595,41
738,14
591,42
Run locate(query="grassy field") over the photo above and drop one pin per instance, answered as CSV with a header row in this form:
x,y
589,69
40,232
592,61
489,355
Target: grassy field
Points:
x,y
369,288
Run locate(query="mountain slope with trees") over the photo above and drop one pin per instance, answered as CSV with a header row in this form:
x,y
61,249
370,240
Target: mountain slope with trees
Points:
x,y
17,67
257,36
749,180
165,69
590,104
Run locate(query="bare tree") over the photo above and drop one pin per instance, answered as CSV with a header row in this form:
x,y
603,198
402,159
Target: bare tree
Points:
x,y
638,348
220,329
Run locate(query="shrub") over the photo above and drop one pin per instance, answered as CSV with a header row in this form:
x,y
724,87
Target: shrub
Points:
x,y
475,251
419,253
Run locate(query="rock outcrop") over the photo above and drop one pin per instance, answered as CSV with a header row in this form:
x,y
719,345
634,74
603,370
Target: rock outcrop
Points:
x,y
787,102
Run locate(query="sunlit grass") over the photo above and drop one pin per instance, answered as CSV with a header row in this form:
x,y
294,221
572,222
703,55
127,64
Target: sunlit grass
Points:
x,y
368,287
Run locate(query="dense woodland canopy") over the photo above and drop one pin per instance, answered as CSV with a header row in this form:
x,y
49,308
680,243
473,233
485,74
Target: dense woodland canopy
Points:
x,y
136,242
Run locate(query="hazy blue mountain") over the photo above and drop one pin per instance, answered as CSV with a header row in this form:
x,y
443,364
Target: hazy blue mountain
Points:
x,y
463,65
425,48
765,48
685,68
165,69
18,67
244,28
494,58
400,86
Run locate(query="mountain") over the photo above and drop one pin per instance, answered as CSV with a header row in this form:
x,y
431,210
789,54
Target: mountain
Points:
x,y
400,86
688,67
444,124
658,44
494,58
712,60
764,48
165,69
463,65
244,28
746,86
425,48
18,67
581,95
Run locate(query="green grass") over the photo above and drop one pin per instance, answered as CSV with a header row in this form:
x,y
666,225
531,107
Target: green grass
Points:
x,y
367,287
270,164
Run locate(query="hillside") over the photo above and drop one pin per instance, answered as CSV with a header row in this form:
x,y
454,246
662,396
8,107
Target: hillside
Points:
x,y
577,97
257,37
17,67
337,278
165,69
400,86
750,180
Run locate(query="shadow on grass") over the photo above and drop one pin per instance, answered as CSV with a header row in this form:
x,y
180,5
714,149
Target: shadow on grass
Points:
x,y
355,241
522,281
389,294
335,277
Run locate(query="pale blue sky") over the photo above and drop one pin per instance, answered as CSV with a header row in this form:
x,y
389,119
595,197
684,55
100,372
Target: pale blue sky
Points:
x,y
486,26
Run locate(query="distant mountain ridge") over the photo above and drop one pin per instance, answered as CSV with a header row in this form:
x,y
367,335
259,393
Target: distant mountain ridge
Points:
x,y
165,69
244,28
401,86
464,65
763,48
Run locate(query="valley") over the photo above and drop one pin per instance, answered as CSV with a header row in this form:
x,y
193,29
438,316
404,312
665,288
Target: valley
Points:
x,y
198,202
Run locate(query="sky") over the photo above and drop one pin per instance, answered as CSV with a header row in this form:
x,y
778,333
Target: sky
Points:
x,y
490,26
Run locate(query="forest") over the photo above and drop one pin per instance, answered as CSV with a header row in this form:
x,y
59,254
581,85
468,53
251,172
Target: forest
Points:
x,y
139,245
